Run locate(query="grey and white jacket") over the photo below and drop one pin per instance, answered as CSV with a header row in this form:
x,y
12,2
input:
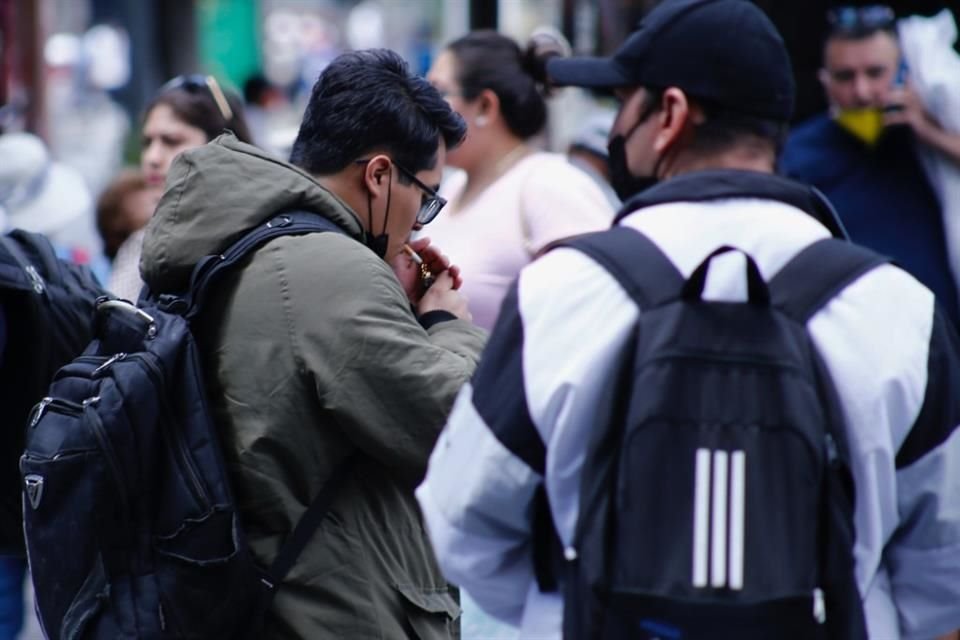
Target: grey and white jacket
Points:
x,y
525,418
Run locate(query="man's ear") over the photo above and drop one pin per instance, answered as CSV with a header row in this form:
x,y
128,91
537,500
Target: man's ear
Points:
x,y
824,77
376,175
674,117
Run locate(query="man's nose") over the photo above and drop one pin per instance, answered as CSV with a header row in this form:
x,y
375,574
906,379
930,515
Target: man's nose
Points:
x,y
863,91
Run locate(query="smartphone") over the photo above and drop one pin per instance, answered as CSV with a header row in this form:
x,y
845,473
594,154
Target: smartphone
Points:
x,y
899,81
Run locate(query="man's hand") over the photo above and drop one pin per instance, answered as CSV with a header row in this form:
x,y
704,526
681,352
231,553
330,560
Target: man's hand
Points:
x,y
924,125
409,273
905,107
443,296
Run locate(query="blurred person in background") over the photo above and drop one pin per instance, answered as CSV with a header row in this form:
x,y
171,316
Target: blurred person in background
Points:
x,y
588,152
187,112
510,200
262,99
862,153
124,207
43,196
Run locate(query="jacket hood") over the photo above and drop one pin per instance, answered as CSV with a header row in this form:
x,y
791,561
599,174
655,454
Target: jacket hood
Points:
x,y
217,192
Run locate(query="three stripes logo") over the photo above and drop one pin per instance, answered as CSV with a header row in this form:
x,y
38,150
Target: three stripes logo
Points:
x,y
718,519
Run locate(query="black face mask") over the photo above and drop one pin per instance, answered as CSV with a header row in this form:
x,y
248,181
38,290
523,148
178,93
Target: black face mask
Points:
x,y
378,244
624,183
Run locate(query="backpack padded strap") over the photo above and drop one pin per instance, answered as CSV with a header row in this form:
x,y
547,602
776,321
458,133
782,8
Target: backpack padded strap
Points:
x,y
301,535
209,270
310,520
817,274
641,268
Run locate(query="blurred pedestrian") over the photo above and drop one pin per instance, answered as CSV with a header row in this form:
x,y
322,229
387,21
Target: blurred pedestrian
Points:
x,y
588,152
187,112
510,200
41,324
123,208
41,195
262,100
863,153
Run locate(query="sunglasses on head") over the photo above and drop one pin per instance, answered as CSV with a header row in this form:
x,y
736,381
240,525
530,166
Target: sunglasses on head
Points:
x,y
854,20
430,204
198,82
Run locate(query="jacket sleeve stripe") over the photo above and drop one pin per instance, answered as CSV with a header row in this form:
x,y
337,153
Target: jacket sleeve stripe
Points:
x,y
940,412
499,390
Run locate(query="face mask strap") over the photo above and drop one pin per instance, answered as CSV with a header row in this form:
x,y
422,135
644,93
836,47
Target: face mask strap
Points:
x,y
378,244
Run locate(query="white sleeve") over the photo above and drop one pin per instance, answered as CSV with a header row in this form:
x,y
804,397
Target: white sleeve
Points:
x,y
477,497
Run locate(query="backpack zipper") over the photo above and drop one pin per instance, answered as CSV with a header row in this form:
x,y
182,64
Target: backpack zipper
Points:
x,y
819,606
176,443
106,365
35,278
831,448
96,426
62,406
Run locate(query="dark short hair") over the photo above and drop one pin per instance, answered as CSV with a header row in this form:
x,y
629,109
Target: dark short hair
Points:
x,y
489,60
724,128
255,88
369,100
852,23
195,106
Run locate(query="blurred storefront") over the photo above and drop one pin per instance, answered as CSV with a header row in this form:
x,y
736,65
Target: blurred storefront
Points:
x,y
79,71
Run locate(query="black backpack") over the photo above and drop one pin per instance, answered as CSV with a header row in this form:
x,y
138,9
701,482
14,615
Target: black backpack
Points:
x,y
131,528
716,498
48,306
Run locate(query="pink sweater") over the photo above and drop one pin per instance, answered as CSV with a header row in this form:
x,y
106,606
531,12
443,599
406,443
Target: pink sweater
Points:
x,y
540,199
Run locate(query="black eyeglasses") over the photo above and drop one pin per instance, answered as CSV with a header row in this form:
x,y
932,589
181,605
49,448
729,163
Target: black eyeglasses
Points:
x,y
861,20
432,202
195,82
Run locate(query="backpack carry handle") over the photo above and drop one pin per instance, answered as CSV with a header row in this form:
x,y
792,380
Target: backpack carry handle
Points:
x,y
757,290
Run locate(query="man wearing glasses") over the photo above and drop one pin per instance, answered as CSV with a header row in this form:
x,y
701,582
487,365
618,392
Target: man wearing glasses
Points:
x,y
329,347
862,153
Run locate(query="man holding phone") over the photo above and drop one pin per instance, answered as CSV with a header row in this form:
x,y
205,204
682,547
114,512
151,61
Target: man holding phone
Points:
x,y
862,153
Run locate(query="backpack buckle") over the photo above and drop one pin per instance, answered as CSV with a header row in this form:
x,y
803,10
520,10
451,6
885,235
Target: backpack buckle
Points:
x,y
128,307
280,222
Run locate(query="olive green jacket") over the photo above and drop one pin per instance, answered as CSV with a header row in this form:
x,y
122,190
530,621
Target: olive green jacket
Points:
x,y
312,352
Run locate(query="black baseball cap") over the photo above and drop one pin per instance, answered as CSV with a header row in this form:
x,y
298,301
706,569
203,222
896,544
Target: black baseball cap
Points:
x,y
723,51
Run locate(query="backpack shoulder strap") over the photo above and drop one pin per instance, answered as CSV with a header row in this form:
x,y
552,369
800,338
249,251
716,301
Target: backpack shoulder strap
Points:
x,y
211,268
205,274
34,249
22,273
817,274
641,268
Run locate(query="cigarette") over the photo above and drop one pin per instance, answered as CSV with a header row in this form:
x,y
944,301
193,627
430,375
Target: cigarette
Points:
x,y
413,254
425,276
